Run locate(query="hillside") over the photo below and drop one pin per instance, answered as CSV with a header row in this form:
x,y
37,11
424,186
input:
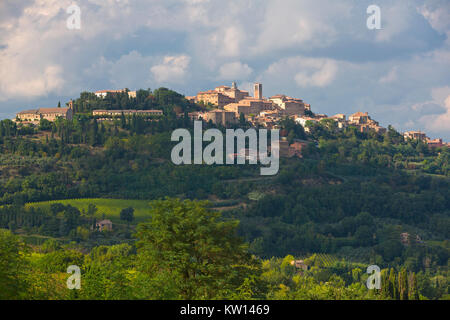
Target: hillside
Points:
x,y
363,198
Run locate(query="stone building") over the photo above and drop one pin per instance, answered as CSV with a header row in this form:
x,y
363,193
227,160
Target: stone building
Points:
x,y
29,115
359,118
415,135
221,117
436,143
365,123
103,93
51,114
221,96
249,106
290,106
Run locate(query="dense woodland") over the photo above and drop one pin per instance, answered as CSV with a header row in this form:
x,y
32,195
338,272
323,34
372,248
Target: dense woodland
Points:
x,y
350,197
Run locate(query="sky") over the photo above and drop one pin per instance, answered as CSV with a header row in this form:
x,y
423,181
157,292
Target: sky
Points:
x,y
320,51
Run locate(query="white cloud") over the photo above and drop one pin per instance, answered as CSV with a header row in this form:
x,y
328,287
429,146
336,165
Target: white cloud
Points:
x,y
306,72
437,13
439,122
171,70
296,22
319,72
129,71
396,18
234,71
391,76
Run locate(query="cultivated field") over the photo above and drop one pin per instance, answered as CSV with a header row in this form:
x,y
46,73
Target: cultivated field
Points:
x,y
109,207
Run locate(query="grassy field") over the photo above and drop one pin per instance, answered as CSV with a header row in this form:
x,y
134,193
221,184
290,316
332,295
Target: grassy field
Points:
x,y
109,207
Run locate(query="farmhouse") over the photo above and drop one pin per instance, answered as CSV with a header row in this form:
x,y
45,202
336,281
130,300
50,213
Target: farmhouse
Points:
x,y
104,225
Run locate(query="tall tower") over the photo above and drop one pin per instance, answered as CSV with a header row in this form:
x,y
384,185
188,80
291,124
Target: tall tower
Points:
x,y
233,85
258,91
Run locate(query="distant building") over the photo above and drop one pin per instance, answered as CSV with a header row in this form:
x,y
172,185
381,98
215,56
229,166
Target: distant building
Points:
x,y
289,106
215,98
339,116
103,93
365,123
221,117
29,115
299,264
404,238
128,112
415,135
249,106
340,119
359,118
220,96
51,114
258,91
291,150
104,225
436,143
303,120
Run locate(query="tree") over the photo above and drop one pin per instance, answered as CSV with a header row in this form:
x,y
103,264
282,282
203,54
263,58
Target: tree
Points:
x,y
403,284
242,120
413,293
393,285
385,285
192,249
12,266
127,214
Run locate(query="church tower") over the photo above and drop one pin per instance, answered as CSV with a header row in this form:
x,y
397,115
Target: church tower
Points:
x,y
258,91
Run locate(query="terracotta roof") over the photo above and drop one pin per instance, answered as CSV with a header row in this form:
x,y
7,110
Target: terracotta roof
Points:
x,y
359,114
34,111
107,221
53,110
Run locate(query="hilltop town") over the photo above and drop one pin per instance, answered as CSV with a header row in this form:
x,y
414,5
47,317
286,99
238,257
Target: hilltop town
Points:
x,y
226,106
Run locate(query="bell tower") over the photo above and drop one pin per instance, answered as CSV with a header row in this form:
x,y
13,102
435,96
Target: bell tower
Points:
x,y
258,91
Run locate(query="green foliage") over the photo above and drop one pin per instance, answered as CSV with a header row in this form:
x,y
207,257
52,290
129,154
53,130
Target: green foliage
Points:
x,y
192,245
12,266
127,214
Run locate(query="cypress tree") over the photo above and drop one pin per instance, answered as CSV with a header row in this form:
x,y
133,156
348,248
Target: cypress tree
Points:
x,y
393,285
385,287
413,293
403,284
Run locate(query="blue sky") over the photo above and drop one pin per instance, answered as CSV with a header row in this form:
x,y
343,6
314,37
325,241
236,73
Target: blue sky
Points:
x,y
320,51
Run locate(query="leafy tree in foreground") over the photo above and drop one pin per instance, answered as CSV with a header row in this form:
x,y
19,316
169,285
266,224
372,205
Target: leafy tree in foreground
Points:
x,y
12,266
188,251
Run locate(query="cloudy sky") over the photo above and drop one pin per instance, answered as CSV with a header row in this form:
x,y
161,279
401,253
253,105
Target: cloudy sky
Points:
x,y
320,51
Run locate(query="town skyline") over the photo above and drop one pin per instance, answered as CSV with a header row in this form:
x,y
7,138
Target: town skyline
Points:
x,y
231,102
225,105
